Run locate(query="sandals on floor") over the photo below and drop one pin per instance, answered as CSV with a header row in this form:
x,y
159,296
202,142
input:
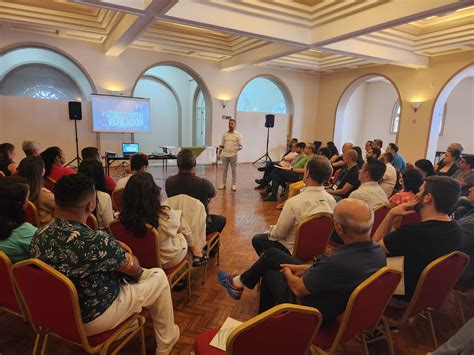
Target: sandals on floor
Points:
x,y
200,260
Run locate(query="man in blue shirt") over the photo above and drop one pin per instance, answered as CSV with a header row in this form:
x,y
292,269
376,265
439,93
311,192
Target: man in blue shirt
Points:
x,y
398,161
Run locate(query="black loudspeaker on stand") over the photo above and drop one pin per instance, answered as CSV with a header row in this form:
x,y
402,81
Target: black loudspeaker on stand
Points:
x,y
269,123
75,114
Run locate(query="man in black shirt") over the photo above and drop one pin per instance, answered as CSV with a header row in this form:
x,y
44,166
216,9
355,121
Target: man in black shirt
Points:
x,y
348,180
329,282
186,182
421,243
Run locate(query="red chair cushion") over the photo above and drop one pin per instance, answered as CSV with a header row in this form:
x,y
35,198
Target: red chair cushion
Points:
x,y
201,344
98,339
327,333
7,295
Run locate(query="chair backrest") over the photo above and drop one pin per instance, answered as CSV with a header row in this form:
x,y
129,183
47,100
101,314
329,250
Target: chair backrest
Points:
x,y
435,283
117,199
92,222
50,184
411,218
146,248
8,295
194,213
284,329
367,304
51,299
31,214
2,174
380,212
312,236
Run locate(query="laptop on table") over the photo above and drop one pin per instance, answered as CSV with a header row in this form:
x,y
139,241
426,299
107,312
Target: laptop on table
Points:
x,y
130,148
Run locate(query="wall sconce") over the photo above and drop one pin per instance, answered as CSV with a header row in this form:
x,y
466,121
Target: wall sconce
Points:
x,y
416,105
223,103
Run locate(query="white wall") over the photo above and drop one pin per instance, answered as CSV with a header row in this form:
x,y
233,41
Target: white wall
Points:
x,y
368,113
459,121
109,73
354,116
163,116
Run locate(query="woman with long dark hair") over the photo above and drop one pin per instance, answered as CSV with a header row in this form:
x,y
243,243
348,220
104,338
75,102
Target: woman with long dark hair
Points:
x,y
54,161
32,170
424,167
360,158
141,205
15,233
411,182
7,154
93,169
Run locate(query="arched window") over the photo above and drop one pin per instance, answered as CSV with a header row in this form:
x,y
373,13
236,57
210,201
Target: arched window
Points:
x,y
395,121
262,95
42,73
41,82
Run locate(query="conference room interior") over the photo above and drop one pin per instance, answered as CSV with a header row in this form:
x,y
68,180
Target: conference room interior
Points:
x,y
328,71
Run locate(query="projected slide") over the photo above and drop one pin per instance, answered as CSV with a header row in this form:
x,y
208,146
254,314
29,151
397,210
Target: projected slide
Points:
x,y
120,114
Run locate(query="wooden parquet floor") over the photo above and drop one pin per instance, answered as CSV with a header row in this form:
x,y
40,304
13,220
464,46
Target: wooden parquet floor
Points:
x,y
210,305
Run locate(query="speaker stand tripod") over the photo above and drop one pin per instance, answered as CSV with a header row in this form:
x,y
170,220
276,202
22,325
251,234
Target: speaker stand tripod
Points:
x,y
265,157
77,158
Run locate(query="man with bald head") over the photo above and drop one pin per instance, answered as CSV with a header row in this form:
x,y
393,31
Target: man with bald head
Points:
x,y
348,180
328,283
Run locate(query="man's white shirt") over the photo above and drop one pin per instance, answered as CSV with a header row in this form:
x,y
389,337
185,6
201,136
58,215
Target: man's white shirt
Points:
x,y
231,143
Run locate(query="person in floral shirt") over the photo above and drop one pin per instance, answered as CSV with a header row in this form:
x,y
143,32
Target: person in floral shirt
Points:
x,y
98,264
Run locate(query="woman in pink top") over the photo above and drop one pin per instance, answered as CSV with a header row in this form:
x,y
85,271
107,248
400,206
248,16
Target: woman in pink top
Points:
x,y
411,182
54,160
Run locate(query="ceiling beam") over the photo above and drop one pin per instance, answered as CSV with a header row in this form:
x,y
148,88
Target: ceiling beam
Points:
x,y
138,16
390,14
205,14
258,55
376,52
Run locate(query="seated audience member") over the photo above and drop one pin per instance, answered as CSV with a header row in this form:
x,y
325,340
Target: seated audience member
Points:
x,y
317,146
451,149
54,161
424,167
421,243
325,152
398,162
328,283
287,161
7,154
92,168
332,147
389,180
15,233
93,152
186,182
449,163
466,223
379,143
465,174
369,190
348,178
284,176
138,163
337,160
373,153
141,205
368,146
411,182
98,267
31,148
313,199
32,169
461,343
360,158
289,145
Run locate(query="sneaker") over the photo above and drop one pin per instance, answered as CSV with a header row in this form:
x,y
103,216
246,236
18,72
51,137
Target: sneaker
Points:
x,y
222,187
234,188
226,280
262,168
